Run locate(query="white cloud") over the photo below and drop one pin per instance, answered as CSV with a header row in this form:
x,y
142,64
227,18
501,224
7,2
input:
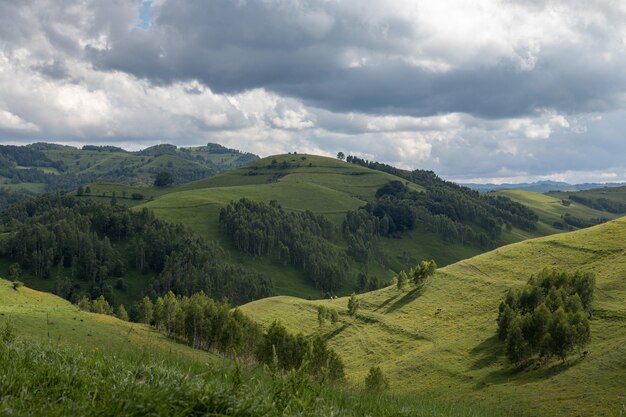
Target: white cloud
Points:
x,y
522,82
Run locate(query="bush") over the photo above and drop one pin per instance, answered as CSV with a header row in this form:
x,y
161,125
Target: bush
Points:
x,y
375,380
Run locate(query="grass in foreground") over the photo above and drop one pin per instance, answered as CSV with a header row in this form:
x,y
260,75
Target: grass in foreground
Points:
x,y
41,379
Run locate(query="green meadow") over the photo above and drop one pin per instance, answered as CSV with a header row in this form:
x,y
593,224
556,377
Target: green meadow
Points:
x,y
440,340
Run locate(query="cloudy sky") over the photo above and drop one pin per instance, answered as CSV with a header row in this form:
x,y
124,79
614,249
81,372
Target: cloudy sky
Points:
x,y
475,90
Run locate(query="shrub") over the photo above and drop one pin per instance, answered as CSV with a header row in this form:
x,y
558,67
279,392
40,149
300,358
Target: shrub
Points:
x,y
375,380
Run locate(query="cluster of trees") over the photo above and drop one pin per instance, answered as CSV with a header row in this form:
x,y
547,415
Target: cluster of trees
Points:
x,y
417,275
445,210
201,322
601,203
300,239
85,244
286,351
548,317
461,203
101,306
569,222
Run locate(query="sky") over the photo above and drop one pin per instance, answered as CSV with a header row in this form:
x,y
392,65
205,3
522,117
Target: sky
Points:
x,y
482,91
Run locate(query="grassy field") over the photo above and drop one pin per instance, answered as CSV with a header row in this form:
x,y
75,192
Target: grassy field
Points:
x,y
440,341
550,208
44,317
99,365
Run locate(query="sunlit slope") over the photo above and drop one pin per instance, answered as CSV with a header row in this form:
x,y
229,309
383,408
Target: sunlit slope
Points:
x,y
550,209
452,352
43,316
322,185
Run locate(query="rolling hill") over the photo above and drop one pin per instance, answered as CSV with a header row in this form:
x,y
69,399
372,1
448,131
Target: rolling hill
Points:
x,y
441,342
69,362
325,186
44,167
553,208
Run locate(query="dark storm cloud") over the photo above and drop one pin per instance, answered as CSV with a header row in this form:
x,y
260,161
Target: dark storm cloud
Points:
x,y
299,49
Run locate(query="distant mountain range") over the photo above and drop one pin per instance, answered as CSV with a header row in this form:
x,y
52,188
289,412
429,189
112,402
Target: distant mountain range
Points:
x,y
542,186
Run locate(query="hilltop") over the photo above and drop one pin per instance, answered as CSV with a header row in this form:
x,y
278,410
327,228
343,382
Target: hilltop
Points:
x,y
327,187
441,341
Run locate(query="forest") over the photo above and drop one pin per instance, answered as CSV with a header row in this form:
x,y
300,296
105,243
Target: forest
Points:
x,y
301,239
85,246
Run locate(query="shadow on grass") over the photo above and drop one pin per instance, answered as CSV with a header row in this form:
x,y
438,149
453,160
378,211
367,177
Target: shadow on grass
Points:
x,y
532,371
334,333
486,353
406,299
387,301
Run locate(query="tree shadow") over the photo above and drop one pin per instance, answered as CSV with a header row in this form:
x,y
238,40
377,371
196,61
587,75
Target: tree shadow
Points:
x,y
491,352
387,301
406,299
328,336
486,353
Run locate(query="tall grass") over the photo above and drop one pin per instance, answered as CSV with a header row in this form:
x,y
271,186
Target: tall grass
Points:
x,y
41,379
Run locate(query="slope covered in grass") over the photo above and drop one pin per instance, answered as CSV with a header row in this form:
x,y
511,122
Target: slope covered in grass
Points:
x,y
441,340
41,316
551,208
322,185
59,361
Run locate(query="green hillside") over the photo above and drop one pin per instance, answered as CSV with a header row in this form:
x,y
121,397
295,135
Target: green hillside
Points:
x,y
441,341
44,167
606,199
552,207
322,185
41,316
96,365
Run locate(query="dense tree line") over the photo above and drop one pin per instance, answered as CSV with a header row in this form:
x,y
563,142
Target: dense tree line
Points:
x,y
602,204
280,348
458,202
569,222
298,238
206,324
398,209
548,317
84,244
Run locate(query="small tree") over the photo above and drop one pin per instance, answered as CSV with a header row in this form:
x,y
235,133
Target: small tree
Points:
x,y
341,156
113,199
402,280
375,380
88,190
15,271
84,303
353,305
334,316
516,347
101,306
322,315
120,312
80,191
144,310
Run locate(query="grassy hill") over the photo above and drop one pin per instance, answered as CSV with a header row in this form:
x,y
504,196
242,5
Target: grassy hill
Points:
x,y
322,185
44,167
40,316
70,362
606,199
552,207
441,341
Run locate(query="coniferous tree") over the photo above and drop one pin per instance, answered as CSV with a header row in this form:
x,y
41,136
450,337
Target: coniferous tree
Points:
x,y
353,305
